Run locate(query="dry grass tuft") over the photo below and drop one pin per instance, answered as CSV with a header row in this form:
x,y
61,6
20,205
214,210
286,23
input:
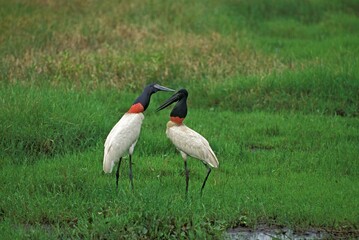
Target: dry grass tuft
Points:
x,y
133,56
92,44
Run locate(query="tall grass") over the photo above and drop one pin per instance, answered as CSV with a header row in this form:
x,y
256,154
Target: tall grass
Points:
x,y
90,44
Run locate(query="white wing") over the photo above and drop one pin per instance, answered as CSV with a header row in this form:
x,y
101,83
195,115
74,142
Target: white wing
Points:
x,y
192,143
122,137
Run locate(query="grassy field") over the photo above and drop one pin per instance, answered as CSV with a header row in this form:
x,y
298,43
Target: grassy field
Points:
x,y
274,87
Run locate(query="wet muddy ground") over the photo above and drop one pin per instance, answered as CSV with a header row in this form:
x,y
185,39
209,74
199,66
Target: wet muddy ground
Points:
x,y
265,232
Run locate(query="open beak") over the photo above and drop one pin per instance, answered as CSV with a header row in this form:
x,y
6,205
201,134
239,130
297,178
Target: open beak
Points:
x,y
175,97
162,88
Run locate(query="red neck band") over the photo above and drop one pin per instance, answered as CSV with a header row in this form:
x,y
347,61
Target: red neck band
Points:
x,y
136,108
177,120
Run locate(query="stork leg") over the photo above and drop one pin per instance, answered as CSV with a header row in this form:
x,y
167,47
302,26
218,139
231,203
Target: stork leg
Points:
x,y
118,173
187,175
205,180
131,176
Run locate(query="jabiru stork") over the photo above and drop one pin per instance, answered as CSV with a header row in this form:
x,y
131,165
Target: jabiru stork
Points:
x,y
124,135
186,140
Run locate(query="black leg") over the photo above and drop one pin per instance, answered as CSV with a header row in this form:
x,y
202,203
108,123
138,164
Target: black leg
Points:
x,y
205,180
187,176
131,177
118,173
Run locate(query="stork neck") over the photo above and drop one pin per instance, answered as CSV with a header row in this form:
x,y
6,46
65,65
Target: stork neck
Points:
x,y
141,103
179,112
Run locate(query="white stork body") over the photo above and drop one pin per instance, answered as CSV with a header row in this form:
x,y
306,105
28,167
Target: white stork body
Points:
x,y
122,139
189,142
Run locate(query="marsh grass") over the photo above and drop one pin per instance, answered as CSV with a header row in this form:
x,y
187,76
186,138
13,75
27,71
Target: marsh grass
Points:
x,y
273,86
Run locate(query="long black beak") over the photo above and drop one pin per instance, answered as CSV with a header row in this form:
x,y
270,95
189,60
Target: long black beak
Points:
x,y
175,97
162,88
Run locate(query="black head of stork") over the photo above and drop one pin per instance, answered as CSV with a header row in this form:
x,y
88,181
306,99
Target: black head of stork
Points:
x,y
142,102
179,112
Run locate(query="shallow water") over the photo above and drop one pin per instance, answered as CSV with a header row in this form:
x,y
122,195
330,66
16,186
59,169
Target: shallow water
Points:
x,y
265,233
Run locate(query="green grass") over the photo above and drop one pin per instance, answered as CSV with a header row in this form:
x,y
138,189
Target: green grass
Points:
x,y
274,87
285,168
